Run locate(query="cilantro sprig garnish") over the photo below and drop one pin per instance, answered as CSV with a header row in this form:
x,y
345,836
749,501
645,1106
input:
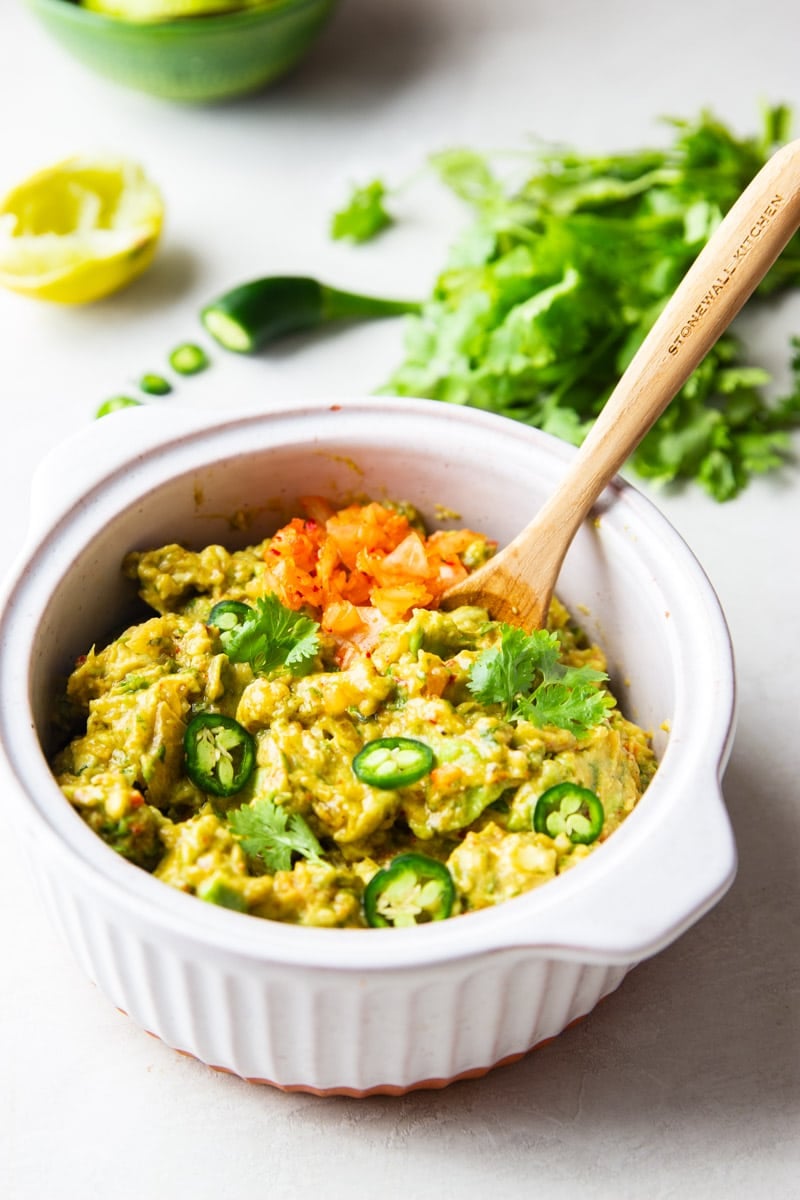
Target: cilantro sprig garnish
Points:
x,y
272,637
273,834
525,675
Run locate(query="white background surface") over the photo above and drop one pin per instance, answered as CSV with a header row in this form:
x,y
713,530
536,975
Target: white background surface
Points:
x,y
686,1082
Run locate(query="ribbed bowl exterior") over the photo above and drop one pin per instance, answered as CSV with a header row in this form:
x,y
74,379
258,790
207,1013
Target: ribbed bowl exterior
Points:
x,y
356,1011
314,1030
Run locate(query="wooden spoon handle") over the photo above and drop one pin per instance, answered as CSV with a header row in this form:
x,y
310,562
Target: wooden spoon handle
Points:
x,y
518,583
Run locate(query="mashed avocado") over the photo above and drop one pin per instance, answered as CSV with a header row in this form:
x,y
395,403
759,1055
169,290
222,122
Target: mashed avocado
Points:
x,y
329,830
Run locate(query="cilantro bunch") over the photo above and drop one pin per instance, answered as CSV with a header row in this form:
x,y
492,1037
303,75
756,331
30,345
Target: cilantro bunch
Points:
x,y
551,288
525,675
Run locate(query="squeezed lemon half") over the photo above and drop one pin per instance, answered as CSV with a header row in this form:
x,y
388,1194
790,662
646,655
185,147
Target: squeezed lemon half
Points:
x,y
79,230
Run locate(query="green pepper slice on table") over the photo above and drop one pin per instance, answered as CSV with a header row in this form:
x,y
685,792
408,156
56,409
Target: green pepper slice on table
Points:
x,y
188,359
219,753
568,808
393,762
412,890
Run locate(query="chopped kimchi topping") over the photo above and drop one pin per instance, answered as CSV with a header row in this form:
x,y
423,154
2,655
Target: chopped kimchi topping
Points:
x,y
363,566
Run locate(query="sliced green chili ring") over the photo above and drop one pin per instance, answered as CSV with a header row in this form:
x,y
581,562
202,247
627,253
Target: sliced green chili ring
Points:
x,y
219,753
412,890
568,808
115,404
155,385
188,359
393,762
229,614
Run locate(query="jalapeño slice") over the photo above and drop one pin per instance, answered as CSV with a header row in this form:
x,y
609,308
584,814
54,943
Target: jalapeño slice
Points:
x,y
412,890
229,614
568,808
393,762
188,359
219,753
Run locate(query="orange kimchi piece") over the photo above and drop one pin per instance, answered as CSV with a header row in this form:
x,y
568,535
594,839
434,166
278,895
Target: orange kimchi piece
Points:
x,y
363,566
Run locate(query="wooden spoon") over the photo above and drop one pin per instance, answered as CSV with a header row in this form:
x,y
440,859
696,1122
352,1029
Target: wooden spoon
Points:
x,y
517,584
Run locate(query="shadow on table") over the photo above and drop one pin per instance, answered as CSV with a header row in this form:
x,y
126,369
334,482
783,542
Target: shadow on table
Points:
x,y
369,51
714,1017
170,277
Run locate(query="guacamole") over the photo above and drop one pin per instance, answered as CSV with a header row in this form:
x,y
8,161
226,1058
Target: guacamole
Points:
x,y
263,756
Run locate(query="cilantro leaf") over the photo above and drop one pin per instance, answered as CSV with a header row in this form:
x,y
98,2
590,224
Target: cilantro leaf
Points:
x,y
273,834
273,637
525,675
364,215
503,672
577,707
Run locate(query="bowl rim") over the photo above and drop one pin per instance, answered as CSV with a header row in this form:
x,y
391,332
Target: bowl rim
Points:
x,y
510,925
207,24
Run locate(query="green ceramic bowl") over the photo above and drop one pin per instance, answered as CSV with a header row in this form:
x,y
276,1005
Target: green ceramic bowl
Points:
x,y
194,59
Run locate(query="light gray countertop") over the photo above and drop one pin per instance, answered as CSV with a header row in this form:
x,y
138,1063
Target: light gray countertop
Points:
x,y
686,1081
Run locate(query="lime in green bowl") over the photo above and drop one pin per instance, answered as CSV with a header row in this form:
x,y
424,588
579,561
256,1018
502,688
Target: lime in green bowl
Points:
x,y
197,59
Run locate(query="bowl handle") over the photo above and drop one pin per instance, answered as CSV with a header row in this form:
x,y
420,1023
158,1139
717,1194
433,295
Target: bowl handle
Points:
x,y
674,871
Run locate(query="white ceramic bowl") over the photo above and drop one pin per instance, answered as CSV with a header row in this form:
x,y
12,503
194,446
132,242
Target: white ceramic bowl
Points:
x,y
362,1011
